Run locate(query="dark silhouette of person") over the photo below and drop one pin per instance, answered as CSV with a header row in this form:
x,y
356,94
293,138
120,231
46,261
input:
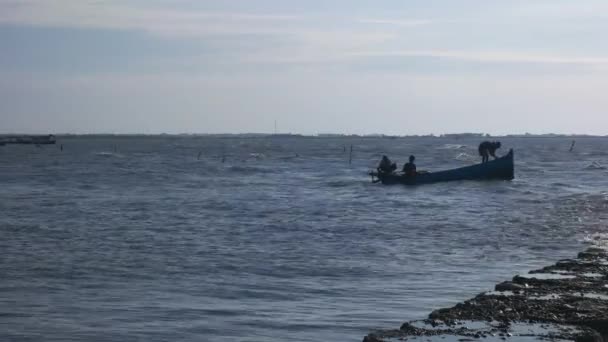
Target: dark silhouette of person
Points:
x,y
386,166
487,149
409,168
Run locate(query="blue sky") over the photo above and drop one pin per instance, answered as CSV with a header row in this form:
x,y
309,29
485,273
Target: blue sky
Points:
x,y
395,67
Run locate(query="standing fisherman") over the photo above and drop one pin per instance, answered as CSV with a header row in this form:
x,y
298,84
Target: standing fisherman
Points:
x,y
487,149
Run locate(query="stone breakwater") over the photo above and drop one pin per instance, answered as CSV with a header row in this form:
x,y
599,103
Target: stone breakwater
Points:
x,y
567,301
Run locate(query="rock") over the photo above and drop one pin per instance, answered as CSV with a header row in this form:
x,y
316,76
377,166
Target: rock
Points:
x,y
600,325
591,336
592,253
554,303
509,286
408,328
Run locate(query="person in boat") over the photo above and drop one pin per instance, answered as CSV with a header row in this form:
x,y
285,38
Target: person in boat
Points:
x,y
409,168
487,149
386,166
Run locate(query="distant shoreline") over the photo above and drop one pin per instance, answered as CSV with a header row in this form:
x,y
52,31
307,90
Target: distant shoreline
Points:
x,y
327,136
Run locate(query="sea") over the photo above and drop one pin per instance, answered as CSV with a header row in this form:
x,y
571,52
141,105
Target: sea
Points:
x,y
274,238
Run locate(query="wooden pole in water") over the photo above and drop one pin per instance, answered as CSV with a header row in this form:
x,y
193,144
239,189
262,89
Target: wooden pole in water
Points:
x,y
572,146
350,157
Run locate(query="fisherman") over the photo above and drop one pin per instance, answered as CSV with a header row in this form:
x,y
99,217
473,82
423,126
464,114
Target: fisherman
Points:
x,y
386,166
409,168
487,149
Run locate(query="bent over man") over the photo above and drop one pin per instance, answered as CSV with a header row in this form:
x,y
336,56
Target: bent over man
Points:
x,y
487,149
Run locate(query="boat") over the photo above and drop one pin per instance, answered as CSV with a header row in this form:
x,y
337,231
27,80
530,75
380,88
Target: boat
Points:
x,y
498,169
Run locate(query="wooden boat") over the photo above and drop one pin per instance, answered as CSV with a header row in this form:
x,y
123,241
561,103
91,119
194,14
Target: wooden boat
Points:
x,y
500,168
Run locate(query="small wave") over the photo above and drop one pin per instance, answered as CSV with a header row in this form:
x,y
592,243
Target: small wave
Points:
x,y
465,157
597,240
595,166
109,154
595,154
339,184
257,155
87,187
452,147
295,156
247,169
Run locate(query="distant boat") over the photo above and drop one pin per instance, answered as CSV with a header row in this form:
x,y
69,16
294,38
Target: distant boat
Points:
x,y
500,169
28,139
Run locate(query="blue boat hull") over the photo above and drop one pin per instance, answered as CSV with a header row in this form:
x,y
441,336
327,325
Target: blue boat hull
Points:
x,y
501,168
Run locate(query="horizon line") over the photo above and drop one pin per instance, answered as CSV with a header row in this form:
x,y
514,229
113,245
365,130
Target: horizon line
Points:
x,y
323,135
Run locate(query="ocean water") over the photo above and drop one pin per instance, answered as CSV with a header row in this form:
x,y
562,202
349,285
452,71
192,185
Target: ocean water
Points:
x,y
167,238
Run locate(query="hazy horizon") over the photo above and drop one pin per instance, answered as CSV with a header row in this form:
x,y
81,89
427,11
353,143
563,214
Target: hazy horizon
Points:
x,y
350,67
320,135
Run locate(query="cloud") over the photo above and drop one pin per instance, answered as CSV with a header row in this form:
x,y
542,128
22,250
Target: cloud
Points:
x,y
237,38
249,37
156,20
396,22
561,9
490,56
287,38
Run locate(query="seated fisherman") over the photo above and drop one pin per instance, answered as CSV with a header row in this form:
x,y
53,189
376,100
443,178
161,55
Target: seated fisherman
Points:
x,y
409,169
487,149
386,166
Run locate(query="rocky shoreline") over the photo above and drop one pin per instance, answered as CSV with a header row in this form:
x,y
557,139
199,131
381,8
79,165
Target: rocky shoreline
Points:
x,y
567,301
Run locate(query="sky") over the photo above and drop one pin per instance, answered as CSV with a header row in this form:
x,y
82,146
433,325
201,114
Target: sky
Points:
x,y
333,66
